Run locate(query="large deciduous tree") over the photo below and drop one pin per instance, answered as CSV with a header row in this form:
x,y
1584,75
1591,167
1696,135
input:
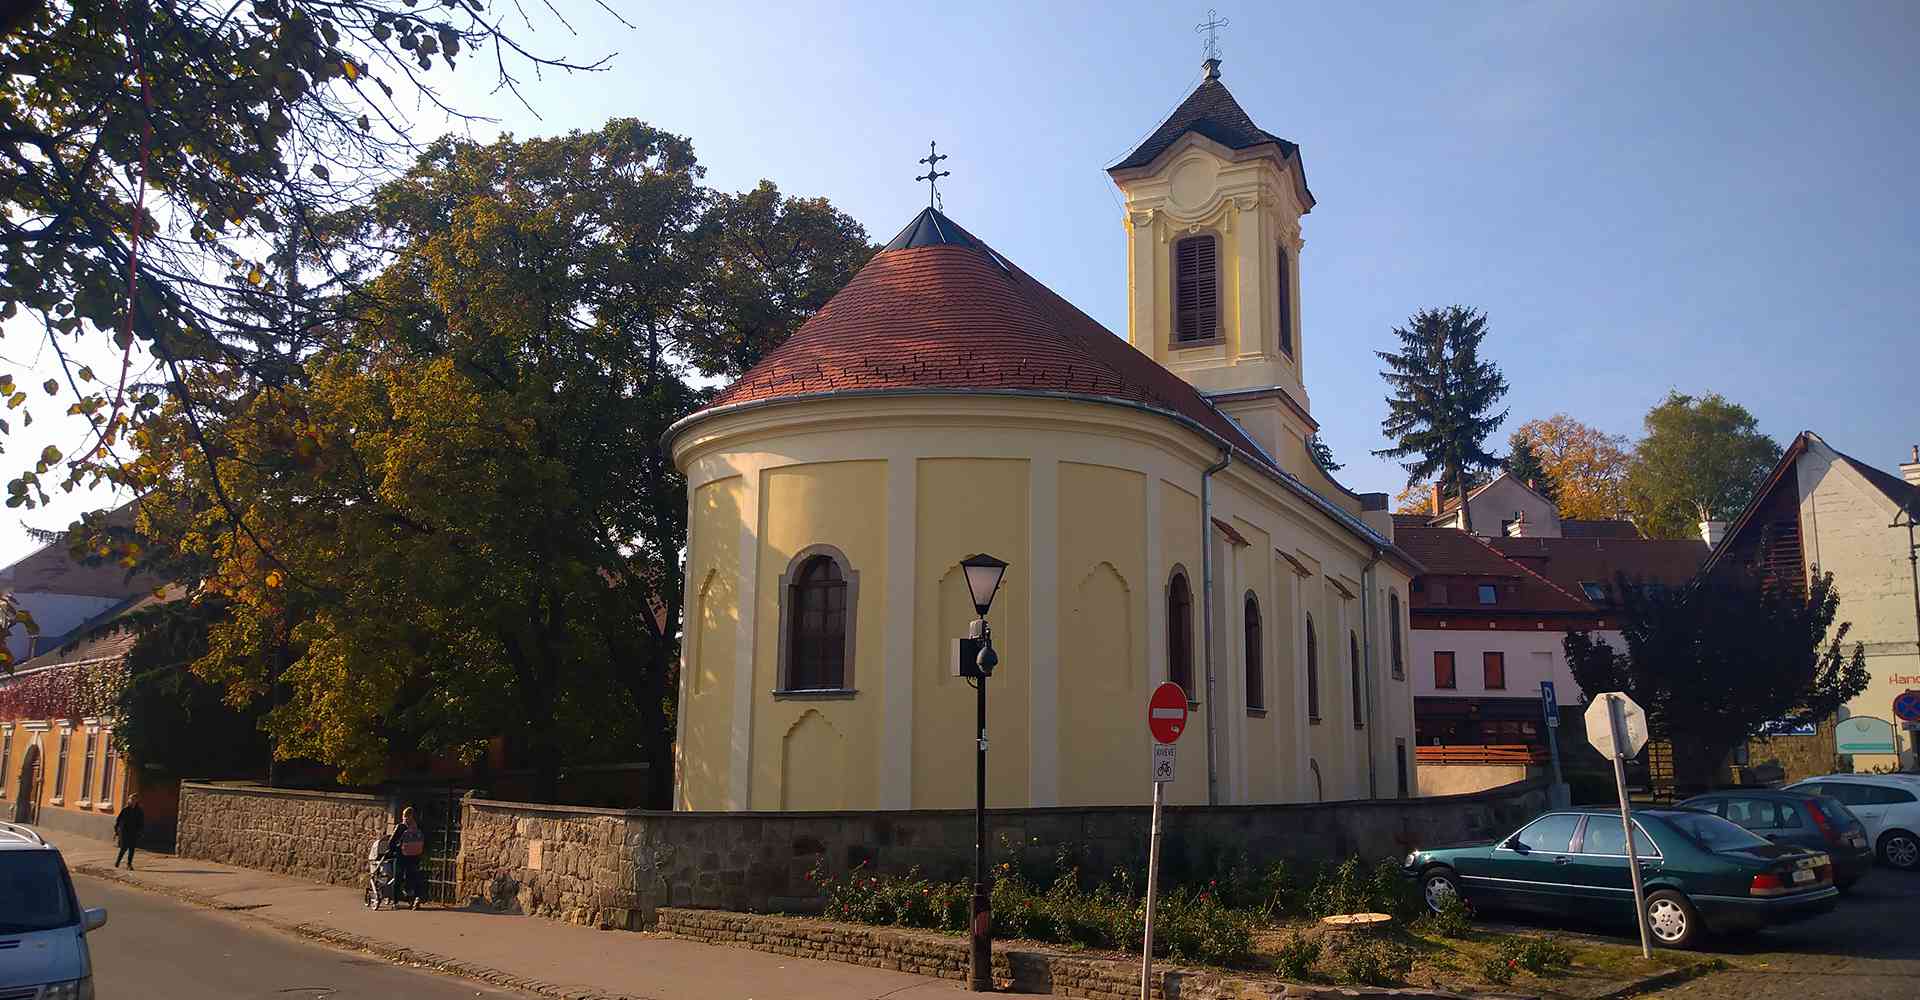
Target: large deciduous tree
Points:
x,y
1701,460
1715,662
1587,466
1440,410
179,148
460,522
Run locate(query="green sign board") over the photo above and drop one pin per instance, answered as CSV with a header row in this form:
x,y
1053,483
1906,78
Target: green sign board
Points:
x,y
1864,734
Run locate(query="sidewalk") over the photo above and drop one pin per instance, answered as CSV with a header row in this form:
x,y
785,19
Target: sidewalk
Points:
x,y
528,953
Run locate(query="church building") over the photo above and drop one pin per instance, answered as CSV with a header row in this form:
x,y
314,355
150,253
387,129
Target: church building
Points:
x,y
1155,498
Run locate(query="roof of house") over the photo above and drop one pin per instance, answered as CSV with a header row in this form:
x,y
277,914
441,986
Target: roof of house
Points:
x,y
1452,552
51,569
1573,527
1898,490
1212,112
100,638
1573,562
940,310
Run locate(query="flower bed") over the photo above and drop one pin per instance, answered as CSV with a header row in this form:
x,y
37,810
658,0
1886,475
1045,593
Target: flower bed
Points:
x,y
1211,922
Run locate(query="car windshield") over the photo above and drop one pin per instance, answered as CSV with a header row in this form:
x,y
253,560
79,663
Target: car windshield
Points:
x,y
1712,832
37,893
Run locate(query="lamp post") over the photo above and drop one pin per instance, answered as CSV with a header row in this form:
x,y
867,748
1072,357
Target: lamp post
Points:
x,y
983,580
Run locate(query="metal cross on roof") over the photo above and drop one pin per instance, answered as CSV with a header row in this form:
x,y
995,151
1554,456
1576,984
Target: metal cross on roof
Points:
x,y
933,174
1212,26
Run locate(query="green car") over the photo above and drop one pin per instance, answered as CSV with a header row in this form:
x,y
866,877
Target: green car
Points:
x,y
1700,872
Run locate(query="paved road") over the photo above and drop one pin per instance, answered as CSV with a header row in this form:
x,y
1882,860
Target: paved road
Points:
x,y
154,946
1866,949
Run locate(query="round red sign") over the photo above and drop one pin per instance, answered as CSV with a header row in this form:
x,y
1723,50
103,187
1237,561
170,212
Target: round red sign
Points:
x,y
1167,712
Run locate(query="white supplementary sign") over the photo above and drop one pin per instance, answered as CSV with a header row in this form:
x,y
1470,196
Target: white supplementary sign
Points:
x,y
1633,724
1162,762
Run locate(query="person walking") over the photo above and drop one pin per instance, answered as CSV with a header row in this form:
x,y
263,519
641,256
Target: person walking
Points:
x,y
408,844
127,827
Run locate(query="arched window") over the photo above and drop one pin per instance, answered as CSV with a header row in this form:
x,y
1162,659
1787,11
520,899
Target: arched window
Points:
x,y
1313,673
1285,299
817,626
1393,622
1256,678
1180,633
1359,690
1196,290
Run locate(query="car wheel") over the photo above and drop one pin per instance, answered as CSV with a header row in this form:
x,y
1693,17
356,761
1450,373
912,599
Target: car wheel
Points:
x,y
1671,919
1900,849
1439,885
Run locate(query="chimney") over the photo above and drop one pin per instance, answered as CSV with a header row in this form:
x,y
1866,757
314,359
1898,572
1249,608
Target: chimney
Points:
x,y
1436,500
1712,532
1910,471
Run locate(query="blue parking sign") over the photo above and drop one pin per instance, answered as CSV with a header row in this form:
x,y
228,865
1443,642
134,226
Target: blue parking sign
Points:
x,y
1549,704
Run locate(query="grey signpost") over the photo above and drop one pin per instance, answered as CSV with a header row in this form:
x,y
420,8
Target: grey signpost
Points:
x,y
1550,707
1617,727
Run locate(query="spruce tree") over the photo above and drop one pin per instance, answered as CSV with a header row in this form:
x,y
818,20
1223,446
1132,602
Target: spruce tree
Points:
x,y
1440,411
1524,464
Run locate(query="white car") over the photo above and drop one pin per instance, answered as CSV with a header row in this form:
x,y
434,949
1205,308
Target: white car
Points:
x,y
1888,805
43,930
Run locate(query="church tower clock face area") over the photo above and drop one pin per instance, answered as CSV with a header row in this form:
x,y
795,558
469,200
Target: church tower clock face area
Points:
x,y
946,403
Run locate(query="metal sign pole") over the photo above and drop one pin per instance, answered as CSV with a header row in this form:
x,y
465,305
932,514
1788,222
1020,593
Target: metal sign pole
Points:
x,y
1626,822
1153,886
1550,708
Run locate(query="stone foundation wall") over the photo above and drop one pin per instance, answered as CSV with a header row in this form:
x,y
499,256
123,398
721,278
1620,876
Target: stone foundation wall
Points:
x,y
568,863
322,836
614,868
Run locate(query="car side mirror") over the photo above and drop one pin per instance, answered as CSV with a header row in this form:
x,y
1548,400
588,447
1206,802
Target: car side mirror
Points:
x,y
93,918
1513,844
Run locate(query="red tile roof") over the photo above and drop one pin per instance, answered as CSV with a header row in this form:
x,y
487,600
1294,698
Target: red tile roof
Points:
x,y
1572,527
1447,552
954,316
1571,562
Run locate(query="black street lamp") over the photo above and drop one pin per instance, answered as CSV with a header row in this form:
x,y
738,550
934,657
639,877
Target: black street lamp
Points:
x,y
983,580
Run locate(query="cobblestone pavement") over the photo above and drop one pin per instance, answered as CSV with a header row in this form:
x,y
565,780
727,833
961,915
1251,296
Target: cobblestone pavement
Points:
x,y
1866,949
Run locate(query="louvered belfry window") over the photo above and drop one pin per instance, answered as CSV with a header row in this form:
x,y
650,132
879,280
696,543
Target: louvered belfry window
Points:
x,y
1196,289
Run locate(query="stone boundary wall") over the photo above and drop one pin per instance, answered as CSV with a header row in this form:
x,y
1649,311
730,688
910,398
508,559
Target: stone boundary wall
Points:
x,y
615,868
322,836
1023,970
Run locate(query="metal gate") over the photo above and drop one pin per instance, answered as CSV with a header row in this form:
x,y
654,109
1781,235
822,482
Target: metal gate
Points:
x,y
439,812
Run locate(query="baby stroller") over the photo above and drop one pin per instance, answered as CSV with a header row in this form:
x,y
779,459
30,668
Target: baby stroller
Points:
x,y
382,879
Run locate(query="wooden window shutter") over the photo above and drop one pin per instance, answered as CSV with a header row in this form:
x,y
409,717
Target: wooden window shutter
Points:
x,y
1196,289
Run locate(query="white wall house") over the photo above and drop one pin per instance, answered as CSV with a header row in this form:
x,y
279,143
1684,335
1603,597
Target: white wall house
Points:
x,y
1824,511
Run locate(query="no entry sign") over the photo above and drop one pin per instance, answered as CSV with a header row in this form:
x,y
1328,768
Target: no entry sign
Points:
x,y
1167,712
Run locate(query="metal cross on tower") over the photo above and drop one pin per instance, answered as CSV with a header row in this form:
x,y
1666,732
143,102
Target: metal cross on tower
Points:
x,y
933,174
1212,26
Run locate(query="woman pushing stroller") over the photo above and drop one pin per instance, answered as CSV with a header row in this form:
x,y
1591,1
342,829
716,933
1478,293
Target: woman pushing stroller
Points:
x,y
394,864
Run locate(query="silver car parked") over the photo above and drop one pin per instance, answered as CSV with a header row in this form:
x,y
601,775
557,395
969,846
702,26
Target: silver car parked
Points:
x,y
43,930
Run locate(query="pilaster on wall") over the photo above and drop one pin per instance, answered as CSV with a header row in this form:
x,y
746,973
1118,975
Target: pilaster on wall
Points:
x,y
1155,662
903,506
740,756
1043,763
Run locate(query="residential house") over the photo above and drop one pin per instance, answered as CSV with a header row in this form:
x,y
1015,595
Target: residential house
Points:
x,y
1820,510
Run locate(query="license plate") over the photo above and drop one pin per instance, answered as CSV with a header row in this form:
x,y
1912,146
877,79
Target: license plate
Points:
x,y
1803,875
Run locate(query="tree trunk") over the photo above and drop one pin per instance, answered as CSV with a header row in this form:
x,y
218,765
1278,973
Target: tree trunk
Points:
x,y
1460,490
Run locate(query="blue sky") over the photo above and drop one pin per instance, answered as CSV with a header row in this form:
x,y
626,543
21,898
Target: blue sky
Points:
x,y
1695,196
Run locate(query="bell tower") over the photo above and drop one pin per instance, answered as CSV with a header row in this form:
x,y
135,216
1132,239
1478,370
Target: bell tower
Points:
x,y
1213,208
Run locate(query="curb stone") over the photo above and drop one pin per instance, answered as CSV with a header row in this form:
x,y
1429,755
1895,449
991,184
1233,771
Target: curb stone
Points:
x,y
390,952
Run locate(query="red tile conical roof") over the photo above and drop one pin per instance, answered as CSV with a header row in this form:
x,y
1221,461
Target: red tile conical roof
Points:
x,y
953,314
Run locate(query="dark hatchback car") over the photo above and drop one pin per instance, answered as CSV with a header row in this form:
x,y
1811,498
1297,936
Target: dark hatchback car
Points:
x,y
1817,822
1700,872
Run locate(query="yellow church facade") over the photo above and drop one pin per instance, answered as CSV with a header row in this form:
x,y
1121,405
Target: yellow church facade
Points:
x,y
1153,496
